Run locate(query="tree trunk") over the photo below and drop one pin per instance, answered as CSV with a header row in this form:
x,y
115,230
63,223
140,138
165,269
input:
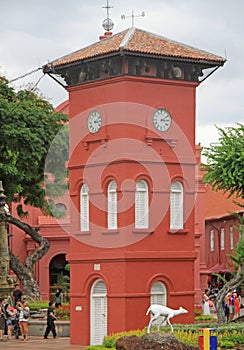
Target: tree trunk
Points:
x,y
230,285
25,271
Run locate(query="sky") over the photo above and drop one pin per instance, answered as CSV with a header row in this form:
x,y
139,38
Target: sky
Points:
x,y
33,33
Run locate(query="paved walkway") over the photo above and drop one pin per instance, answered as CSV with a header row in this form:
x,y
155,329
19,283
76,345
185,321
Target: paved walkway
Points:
x,y
38,343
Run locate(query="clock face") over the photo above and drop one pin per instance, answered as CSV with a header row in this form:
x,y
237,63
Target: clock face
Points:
x,y
162,119
94,121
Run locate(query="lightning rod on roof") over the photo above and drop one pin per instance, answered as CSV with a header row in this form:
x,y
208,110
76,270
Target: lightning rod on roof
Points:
x,y
133,16
108,24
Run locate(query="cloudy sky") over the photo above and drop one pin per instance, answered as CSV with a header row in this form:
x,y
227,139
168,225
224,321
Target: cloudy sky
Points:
x,y
34,32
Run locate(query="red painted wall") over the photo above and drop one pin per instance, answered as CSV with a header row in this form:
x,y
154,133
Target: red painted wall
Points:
x,y
128,148
57,234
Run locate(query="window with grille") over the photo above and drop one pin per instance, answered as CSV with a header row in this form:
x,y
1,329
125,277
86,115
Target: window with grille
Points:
x,y
231,238
222,239
141,205
112,205
84,208
158,294
212,240
176,206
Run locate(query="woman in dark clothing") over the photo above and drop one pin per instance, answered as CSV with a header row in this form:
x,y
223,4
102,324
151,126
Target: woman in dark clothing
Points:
x,y
58,298
3,323
50,321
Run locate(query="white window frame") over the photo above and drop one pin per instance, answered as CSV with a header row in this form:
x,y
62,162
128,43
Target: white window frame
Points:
x,y
112,206
158,294
222,239
176,206
84,208
231,238
212,240
141,205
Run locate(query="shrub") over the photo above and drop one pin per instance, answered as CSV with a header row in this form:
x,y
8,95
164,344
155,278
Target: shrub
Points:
x,y
204,318
228,335
37,305
63,312
198,310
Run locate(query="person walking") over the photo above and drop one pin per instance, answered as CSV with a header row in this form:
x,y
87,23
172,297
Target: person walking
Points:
x,y
232,305
58,301
206,309
51,317
17,294
2,320
11,317
24,314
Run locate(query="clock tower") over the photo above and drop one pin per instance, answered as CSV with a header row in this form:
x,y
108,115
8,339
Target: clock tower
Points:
x,y
132,99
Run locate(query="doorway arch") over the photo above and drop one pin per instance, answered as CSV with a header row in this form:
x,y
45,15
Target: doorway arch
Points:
x,y
99,314
58,276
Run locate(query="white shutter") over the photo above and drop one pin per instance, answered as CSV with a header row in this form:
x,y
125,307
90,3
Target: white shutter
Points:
x,y
84,208
158,296
112,205
141,205
176,206
231,238
222,243
98,312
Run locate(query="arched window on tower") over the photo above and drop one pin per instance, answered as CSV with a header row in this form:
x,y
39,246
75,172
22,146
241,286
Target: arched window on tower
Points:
x,y
112,205
176,206
84,208
141,205
158,294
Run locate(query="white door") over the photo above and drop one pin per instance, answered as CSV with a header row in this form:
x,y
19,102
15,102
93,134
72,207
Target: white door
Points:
x,y
98,312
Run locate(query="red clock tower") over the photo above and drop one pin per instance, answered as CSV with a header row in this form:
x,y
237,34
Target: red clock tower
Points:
x,y
132,178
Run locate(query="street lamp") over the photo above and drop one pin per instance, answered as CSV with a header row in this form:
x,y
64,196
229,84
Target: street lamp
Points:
x,y
6,281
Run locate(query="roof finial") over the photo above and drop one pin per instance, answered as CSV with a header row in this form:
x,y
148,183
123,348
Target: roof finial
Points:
x,y
108,24
133,16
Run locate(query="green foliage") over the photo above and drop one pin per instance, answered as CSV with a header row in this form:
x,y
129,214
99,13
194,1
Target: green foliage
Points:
x,y
186,333
227,344
28,125
37,305
204,318
225,159
98,347
63,312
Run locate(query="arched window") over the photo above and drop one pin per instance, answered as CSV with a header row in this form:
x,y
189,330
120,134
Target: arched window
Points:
x,y
158,294
141,205
176,206
112,205
84,208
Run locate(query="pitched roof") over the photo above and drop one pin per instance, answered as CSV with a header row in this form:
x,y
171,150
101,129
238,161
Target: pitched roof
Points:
x,y
218,204
138,41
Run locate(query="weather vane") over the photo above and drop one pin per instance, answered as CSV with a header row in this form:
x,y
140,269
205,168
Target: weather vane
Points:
x,y
108,24
133,16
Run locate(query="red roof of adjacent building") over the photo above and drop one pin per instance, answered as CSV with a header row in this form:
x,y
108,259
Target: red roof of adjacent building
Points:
x,y
63,107
135,40
219,205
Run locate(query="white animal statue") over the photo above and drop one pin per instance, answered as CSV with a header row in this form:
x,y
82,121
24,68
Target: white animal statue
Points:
x,y
160,310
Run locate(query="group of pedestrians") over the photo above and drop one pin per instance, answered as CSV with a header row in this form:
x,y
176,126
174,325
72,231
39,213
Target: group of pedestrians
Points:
x,y
231,305
14,317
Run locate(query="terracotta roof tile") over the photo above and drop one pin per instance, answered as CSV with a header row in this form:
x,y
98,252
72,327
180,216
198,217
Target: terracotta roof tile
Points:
x,y
139,41
218,204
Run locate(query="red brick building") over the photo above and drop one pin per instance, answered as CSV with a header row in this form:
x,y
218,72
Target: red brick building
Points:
x,y
132,178
134,230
